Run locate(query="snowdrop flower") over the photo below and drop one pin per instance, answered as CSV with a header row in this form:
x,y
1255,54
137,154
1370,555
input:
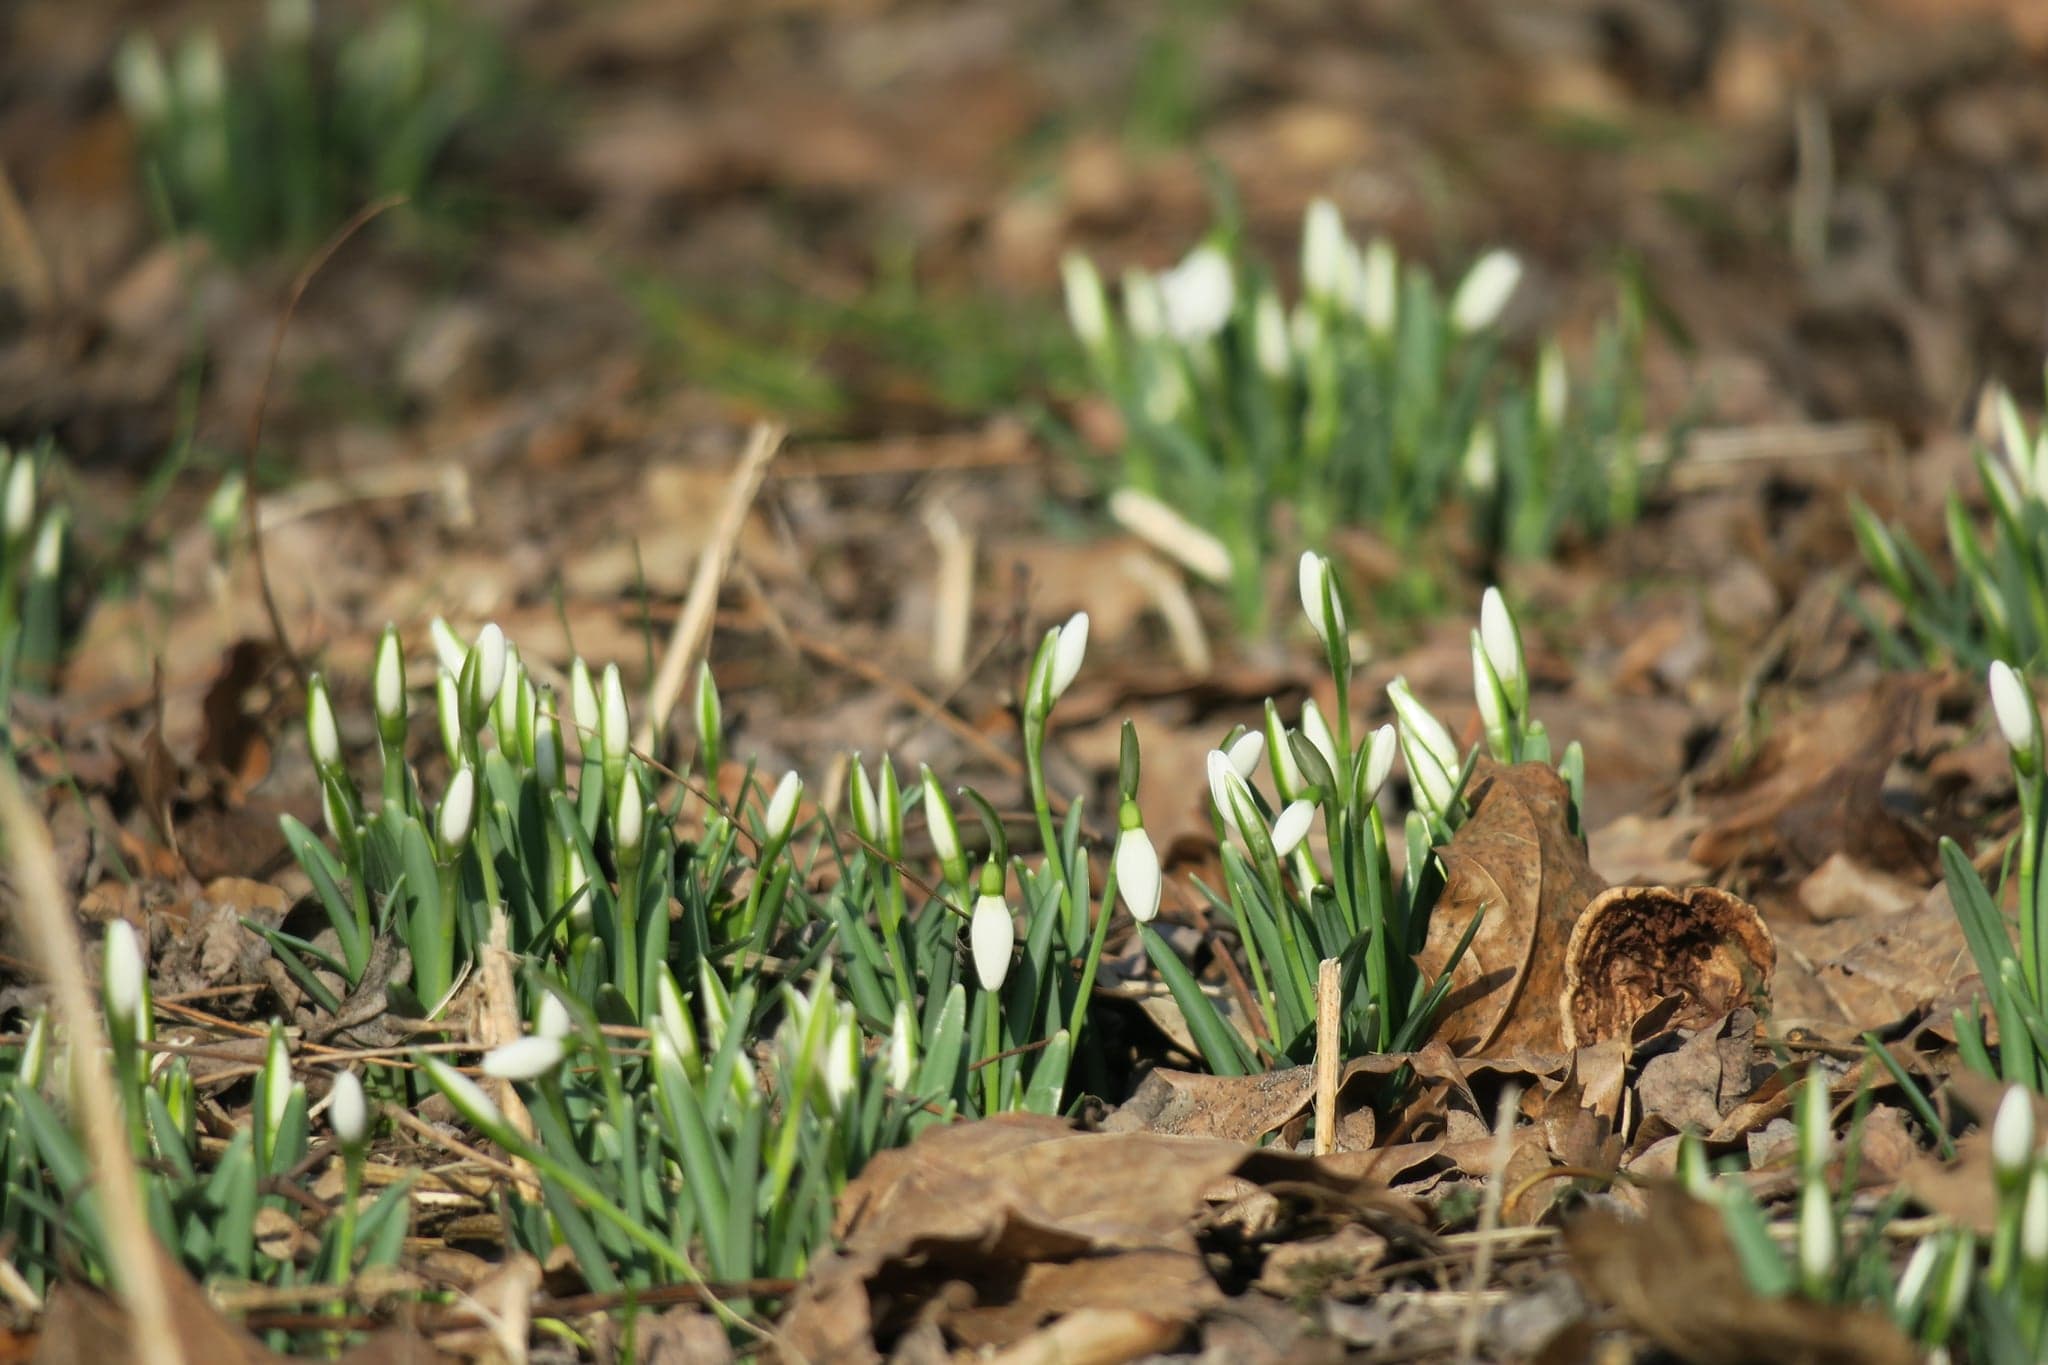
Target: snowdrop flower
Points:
x,y
1816,1140
1324,247
1914,1279
490,662
1287,775
448,713
1485,291
842,1059
552,1020
1553,388
1198,295
1481,463
321,735
1069,650
202,74
1269,337
1137,867
1246,752
274,1083
547,742
710,721
1502,640
1491,696
583,706
902,1054
448,646
387,692
629,821
507,710
465,1094
2012,434
1317,731
1433,760
941,826
613,727
1227,788
2012,1136
860,801
123,980
781,817
1379,760
140,77
1319,600
1144,306
1292,827
48,555
458,809
524,1059
1087,304
348,1114
672,1020
1379,288
991,934
2034,1219
2013,704
1817,1236
18,504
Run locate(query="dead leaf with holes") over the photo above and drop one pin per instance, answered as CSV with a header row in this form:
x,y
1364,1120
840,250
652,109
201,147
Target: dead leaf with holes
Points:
x,y
1635,946
1516,864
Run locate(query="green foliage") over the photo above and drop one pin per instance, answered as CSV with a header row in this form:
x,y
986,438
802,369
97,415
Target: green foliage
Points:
x,y
1996,604
1375,401
275,145
32,562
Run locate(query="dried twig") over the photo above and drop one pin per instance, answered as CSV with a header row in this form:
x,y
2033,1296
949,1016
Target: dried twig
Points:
x,y
53,937
1329,1014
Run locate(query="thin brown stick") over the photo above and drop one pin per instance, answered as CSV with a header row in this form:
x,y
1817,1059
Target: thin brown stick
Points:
x,y
53,936
1489,1217
1329,1014
300,284
692,633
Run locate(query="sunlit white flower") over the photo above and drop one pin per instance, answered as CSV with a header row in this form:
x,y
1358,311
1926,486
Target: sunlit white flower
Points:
x,y
1319,600
782,806
1292,827
1068,652
1503,642
139,76
490,662
48,555
1246,751
547,742
1198,295
1553,388
1485,291
524,1059
1087,303
2012,434
458,808
583,707
1317,731
939,822
1144,306
1818,1237
1379,289
629,825
1816,1136
465,1094
321,735
991,934
613,727
448,646
1287,775
1269,337
448,712
1919,1271
274,1082
1324,246
1227,787
1379,760
388,681
2012,1135
1491,696
1480,465
672,1018
902,1054
2013,704
348,1113
842,1059
1137,873
121,973
2034,1219
860,801
1433,760
552,1019
18,504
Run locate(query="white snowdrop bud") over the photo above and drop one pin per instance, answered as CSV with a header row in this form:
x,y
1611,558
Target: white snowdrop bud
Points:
x,y
1379,760
1324,247
2034,1219
1087,304
902,1048
1485,291
48,555
2013,704
448,646
1818,1236
939,821
1379,293
1226,786
1481,463
1292,827
448,713
1553,388
991,933
1068,652
583,707
1503,642
1198,295
465,1094
490,662
1144,307
524,1059
1433,759
552,1020
1317,730
140,77
348,1113
782,806
613,726
388,681
631,816
122,976
2012,1135
321,735
1246,752
1269,337
1137,873
1319,600
458,808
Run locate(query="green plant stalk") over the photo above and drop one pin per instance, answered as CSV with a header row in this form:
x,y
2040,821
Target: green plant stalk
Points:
x,y
1093,961
992,1047
627,904
1041,805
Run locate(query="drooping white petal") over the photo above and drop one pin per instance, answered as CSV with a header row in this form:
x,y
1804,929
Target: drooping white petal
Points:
x,y
991,934
465,1094
1292,827
2012,1133
458,807
121,971
1247,752
348,1113
1068,652
1485,291
553,1019
321,735
1198,295
524,1059
1323,248
1137,873
490,662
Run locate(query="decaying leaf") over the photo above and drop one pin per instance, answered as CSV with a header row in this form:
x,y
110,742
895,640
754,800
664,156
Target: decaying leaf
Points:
x,y
1674,1276
1516,863
1637,945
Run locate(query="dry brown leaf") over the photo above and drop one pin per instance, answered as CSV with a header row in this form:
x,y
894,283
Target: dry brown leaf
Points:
x,y
1516,862
1637,945
1674,1276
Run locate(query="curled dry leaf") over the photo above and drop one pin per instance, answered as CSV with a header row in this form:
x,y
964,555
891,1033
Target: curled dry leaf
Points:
x,y
1517,864
1637,945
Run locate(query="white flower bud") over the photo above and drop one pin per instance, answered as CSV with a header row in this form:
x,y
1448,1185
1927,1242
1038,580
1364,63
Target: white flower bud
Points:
x,y
1226,786
1198,295
1433,760
1487,691
1068,652
2013,704
1319,600
991,934
1485,291
2034,1220
448,713
1379,291
552,1020
348,1113
1317,731
860,801
1137,873
1914,1279
613,727
903,1048
2012,1134
1144,308
1503,643
1324,247
458,808
388,681
583,708
490,662
202,73
48,555
1481,463
842,1059
465,1094
1379,760
1269,337
139,76
1087,304
1553,388
939,821
524,1059
274,1083
1292,827
1246,752
321,735
781,817
122,976
631,815
448,646
1818,1236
